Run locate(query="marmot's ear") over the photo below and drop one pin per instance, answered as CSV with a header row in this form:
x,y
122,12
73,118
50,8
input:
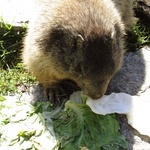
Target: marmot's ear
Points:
x,y
79,41
113,34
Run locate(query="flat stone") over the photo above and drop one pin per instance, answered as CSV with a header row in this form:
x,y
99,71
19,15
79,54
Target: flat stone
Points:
x,y
134,76
142,10
16,12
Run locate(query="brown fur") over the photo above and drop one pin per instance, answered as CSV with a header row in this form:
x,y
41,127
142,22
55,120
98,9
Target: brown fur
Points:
x,y
80,40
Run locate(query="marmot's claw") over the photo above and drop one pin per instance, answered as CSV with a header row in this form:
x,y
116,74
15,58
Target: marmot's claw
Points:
x,y
59,93
55,94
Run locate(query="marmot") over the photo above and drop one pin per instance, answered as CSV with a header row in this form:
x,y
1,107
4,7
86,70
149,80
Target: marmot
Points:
x,y
79,40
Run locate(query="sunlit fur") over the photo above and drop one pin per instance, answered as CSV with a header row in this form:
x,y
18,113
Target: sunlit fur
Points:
x,y
81,40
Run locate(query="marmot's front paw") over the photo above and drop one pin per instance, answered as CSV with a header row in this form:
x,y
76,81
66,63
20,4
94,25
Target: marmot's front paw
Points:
x,y
55,94
59,93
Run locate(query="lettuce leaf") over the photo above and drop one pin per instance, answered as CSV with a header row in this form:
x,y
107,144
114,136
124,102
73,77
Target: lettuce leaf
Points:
x,y
78,126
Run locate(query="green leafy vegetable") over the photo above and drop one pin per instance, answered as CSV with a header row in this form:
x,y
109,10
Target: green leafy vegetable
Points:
x,y
40,127
79,127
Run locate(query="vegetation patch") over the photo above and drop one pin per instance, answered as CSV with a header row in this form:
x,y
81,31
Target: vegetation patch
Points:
x,y
139,36
12,73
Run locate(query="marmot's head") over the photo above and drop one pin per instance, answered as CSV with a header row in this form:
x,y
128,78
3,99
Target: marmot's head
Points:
x,y
86,43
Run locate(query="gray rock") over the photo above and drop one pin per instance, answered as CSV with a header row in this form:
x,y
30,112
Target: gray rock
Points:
x,y
134,79
142,10
134,76
16,12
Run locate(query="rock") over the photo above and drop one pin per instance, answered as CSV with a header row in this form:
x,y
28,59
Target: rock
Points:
x,y
142,10
134,76
134,79
16,12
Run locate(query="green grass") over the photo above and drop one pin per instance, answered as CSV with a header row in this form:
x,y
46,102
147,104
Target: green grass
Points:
x,y
10,45
15,80
12,73
139,36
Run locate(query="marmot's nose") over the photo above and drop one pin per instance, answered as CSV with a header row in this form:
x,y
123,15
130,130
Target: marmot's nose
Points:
x,y
94,96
